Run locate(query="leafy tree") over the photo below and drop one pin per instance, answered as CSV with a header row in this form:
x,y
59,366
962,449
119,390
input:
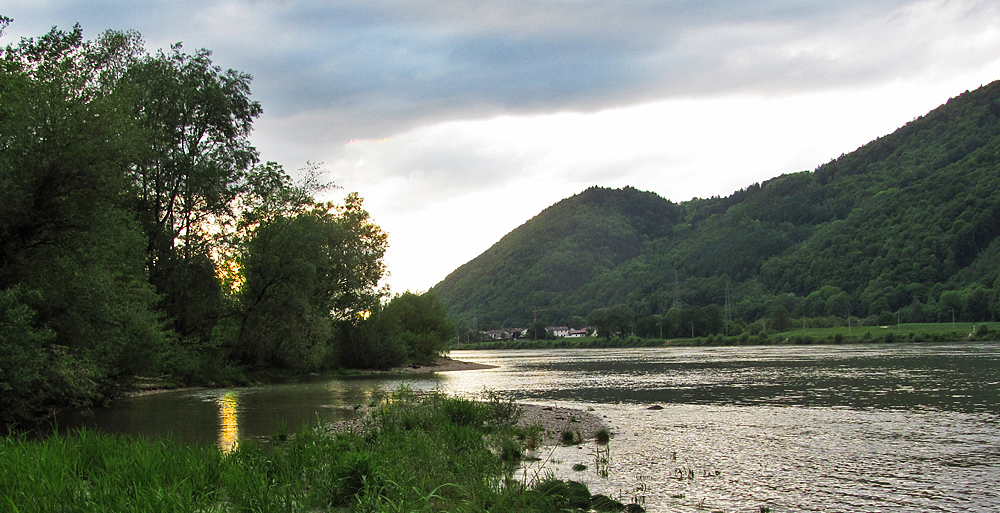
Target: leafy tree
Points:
x,y
421,322
652,326
303,273
949,306
368,344
27,386
612,321
78,315
780,320
577,322
975,303
838,304
537,331
190,168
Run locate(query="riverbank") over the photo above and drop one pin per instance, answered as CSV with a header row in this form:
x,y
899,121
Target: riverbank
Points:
x,y
442,364
547,422
841,335
556,420
424,452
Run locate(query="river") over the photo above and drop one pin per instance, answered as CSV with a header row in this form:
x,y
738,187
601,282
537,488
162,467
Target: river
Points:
x,y
909,427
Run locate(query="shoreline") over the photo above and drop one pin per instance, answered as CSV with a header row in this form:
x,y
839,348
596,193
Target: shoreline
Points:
x,y
554,420
442,364
557,419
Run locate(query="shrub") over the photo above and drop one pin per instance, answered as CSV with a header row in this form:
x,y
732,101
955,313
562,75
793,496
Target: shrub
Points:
x,y
570,437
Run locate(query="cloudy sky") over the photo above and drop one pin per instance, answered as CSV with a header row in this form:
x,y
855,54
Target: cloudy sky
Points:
x,y
458,121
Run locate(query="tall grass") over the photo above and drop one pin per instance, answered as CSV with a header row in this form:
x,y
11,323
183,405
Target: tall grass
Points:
x,y
88,471
416,453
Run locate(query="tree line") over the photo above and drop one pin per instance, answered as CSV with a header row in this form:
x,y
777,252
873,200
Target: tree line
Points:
x,y
142,235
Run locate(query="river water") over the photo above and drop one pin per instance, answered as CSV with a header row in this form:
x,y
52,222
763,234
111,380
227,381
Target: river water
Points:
x,y
816,428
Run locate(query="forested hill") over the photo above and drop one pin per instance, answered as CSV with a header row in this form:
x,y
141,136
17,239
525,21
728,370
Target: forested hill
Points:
x,y
904,227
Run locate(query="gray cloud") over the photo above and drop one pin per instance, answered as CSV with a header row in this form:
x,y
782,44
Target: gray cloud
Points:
x,y
381,67
329,71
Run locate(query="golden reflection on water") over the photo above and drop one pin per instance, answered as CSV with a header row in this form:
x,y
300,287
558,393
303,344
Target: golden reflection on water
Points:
x,y
229,426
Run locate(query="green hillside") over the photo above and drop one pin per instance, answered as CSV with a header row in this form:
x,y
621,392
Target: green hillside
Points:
x,y
906,227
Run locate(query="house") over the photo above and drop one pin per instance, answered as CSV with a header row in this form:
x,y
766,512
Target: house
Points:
x,y
577,333
505,333
557,331
515,333
495,334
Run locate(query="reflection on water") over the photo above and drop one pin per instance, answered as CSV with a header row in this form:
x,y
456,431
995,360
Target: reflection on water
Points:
x,y
819,428
851,428
229,422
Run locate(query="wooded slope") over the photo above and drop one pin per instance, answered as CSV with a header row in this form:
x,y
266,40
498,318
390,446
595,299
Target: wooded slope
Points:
x,y
907,224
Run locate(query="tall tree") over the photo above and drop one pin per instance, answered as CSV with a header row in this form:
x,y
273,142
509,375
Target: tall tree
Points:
x,y
303,273
191,167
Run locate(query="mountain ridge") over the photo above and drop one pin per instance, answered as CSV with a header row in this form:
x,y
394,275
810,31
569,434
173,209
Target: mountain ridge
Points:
x,y
894,225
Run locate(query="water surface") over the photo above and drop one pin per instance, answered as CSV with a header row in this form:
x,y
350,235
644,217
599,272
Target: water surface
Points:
x,y
815,428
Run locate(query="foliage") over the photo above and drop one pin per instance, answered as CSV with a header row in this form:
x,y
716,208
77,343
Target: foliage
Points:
x,y
409,328
612,321
140,235
302,273
421,322
71,267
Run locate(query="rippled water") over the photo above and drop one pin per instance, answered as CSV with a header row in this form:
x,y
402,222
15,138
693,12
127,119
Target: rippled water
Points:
x,y
817,428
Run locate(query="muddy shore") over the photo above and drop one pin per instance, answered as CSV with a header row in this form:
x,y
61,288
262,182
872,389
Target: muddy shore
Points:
x,y
440,365
556,419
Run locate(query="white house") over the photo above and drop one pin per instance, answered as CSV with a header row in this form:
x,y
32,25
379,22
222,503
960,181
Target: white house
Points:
x,y
558,331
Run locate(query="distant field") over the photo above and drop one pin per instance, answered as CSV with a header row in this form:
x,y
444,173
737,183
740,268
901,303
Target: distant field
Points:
x,y
933,328
913,332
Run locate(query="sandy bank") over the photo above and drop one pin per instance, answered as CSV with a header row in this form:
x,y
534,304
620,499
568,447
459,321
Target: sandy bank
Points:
x,y
441,365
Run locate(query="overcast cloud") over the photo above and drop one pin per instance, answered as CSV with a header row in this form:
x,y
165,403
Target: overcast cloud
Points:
x,y
468,118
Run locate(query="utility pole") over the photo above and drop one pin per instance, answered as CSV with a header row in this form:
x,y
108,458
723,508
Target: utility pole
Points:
x,y
677,290
726,309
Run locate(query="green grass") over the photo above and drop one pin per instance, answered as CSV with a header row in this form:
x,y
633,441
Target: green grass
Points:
x,y
417,453
940,328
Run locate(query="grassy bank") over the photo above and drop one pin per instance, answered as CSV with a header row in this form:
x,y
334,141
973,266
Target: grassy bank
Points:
x,y
913,332
429,453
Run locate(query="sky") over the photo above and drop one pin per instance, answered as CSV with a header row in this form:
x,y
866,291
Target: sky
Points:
x,y
458,121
